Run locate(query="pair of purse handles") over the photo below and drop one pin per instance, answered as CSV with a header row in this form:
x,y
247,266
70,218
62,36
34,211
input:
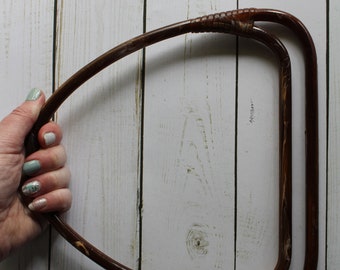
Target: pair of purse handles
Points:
x,y
241,23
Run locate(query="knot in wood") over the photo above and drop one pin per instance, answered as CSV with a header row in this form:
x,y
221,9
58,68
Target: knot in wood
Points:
x,y
196,242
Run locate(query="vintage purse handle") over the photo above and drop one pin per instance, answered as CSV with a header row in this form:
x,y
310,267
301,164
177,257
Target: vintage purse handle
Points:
x,y
241,23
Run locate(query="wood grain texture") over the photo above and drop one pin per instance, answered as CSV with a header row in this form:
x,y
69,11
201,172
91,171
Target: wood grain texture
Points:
x,y
102,130
333,224
189,143
26,56
26,42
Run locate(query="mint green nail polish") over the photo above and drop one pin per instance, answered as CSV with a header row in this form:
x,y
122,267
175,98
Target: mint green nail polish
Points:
x,y
31,188
34,94
31,167
49,138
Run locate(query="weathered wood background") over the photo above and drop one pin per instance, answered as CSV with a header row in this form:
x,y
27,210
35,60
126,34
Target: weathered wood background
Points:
x,y
174,153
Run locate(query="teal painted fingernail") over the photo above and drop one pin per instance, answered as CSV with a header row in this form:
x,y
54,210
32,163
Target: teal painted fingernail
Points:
x,y
49,138
31,167
34,94
31,188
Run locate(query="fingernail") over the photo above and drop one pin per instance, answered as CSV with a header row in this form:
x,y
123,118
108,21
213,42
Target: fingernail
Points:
x,y
34,94
49,138
31,188
38,204
31,167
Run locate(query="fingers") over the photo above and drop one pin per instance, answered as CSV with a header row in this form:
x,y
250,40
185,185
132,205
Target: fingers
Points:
x,y
50,191
49,135
45,160
56,201
50,178
47,182
15,126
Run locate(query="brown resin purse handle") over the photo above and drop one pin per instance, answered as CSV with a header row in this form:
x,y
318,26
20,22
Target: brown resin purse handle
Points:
x,y
241,23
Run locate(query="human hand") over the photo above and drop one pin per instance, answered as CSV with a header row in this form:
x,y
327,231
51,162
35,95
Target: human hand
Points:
x,y
48,176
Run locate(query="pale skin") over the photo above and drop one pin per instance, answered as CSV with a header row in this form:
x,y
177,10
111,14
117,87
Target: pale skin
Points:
x,y
17,225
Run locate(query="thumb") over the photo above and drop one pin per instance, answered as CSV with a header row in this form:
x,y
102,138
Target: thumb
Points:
x,y
15,126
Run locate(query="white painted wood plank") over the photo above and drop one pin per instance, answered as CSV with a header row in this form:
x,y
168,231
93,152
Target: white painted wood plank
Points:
x,y
189,143
26,50
263,230
102,129
257,158
333,224
26,54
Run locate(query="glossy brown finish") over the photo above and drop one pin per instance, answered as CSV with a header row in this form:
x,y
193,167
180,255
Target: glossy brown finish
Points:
x,y
241,23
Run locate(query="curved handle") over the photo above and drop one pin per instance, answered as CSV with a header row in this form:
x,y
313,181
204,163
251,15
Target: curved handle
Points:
x,y
241,23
